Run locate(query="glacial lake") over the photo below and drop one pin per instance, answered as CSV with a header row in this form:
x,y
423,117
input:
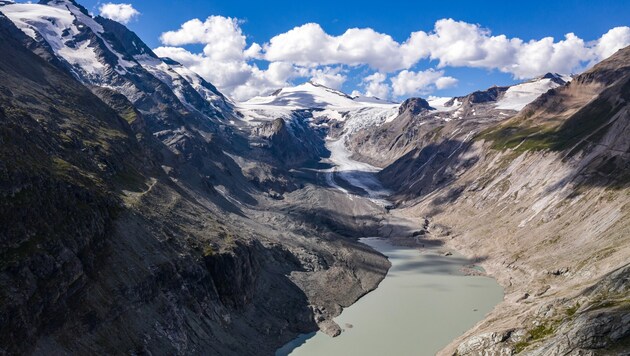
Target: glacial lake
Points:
x,y
424,303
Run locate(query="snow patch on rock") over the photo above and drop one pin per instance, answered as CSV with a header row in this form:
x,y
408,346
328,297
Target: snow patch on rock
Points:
x,y
518,96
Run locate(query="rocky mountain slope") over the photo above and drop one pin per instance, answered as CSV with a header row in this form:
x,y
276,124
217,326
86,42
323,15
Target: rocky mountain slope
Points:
x,y
542,199
419,121
300,118
133,223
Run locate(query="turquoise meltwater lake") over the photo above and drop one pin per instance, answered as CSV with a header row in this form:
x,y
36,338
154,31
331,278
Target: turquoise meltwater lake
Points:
x,y
424,303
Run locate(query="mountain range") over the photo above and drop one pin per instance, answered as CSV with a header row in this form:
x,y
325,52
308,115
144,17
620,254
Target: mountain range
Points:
x,y
144,212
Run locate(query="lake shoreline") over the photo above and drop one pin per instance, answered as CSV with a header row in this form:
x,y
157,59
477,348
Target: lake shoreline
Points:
x,y
415,272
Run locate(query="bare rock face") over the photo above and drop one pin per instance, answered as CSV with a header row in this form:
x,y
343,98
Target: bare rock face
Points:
x,y
414,106
596,321
330,328
586,326
235,273
292,144
276,127
492,343
479,97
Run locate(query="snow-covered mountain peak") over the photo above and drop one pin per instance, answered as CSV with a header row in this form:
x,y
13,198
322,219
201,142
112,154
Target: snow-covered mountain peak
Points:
x,y
311,95
372,100
556,77
71,33
518,96
514,97
304,96
328,89
321,106
102,52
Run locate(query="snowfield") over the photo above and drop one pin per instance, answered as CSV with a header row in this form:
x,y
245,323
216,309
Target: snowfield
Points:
x,y
79,40
314,96
518,96
324,103
439,103
56,26
60,24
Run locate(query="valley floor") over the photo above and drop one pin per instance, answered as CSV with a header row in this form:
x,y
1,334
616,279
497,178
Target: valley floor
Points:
x,y
426,300
548,309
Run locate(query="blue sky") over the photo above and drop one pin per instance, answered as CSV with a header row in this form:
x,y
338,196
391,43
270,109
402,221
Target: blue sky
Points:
x,y
260,21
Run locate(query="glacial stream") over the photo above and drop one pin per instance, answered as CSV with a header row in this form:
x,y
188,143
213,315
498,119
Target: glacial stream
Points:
x,y
424,302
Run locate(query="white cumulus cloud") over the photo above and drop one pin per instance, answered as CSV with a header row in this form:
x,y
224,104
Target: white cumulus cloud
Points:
x,y
224,60
612,41
310,45
375,85
421,82
222,37
331,77
393,67
445,82
122,13
452,43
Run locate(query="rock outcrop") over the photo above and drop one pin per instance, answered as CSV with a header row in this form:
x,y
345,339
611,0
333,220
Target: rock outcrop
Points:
x,y
414,106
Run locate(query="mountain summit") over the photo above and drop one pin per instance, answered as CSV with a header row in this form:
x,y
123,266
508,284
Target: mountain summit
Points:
x,y
311,95
104,53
